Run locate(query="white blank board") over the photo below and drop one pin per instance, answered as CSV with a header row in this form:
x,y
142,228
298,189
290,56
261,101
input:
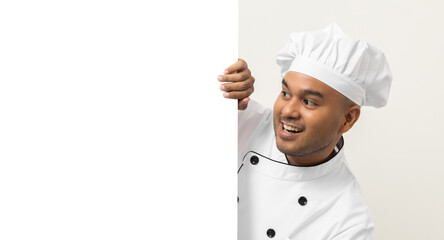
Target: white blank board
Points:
x,y
112,125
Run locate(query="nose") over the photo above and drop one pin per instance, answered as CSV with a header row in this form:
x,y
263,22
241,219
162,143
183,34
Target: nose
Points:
x,y
291,109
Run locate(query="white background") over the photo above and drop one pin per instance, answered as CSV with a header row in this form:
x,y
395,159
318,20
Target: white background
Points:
x,y
395,152
112,125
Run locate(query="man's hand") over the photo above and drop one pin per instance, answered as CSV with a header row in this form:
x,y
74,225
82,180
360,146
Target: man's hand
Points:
x,y
240,84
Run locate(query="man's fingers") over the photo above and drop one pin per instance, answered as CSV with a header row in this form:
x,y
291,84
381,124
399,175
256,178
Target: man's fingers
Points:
x,y
236,67
235,77
238,83
237,86
239,94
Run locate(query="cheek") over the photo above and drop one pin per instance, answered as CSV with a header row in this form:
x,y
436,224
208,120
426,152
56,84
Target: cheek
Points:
x,y
277,109
320,122
336,120
277,105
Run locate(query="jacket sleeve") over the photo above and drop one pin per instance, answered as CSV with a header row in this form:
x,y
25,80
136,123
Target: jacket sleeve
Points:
x,y
248,121
362,231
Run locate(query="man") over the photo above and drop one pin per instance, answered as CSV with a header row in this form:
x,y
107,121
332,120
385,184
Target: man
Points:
x,y
293,179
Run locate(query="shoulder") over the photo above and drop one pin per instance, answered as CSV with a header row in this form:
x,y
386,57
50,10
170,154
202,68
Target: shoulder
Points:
x,y
337,197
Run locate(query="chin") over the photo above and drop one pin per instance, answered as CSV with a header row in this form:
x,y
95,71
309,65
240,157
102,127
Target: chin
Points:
x,y
288,150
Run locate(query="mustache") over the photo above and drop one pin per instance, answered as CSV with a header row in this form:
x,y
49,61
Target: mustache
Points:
x,y
292,121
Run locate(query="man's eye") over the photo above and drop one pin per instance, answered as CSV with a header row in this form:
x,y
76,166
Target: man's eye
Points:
x,y
285,94
309,103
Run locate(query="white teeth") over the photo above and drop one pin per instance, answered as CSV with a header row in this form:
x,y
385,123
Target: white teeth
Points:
x,y
291,128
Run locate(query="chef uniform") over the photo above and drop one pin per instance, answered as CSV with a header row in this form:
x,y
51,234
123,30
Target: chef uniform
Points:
x,y
277,200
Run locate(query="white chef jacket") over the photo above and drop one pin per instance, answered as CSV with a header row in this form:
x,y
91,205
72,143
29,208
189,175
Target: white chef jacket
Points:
x,y
285,202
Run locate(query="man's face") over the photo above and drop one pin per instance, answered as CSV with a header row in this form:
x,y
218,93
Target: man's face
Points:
x,y
308,116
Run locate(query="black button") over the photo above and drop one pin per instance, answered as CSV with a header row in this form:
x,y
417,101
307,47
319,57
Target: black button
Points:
x,y
254,160
237,199
302,201
271,233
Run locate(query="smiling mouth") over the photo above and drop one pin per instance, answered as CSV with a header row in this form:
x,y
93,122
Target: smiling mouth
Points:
x,y
291,129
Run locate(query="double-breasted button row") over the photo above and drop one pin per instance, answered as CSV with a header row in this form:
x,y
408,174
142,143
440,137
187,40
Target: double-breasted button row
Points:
x,y
302,200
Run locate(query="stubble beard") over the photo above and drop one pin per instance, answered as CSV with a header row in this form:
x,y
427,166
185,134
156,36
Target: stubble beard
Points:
x,y
310,150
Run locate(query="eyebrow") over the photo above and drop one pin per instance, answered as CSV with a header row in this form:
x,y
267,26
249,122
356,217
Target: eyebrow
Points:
x,y
313,92
285,83
306,91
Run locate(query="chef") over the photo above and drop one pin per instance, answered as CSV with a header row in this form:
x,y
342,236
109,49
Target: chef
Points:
x,y
293,179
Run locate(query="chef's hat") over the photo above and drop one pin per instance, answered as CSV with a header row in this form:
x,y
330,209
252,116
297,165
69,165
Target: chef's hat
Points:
x,y
352,67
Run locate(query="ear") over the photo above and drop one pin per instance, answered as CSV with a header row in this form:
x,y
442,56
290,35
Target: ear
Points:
x,y
351,116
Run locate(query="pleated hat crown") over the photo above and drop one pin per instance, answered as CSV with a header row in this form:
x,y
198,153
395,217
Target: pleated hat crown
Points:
x,y
352,67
